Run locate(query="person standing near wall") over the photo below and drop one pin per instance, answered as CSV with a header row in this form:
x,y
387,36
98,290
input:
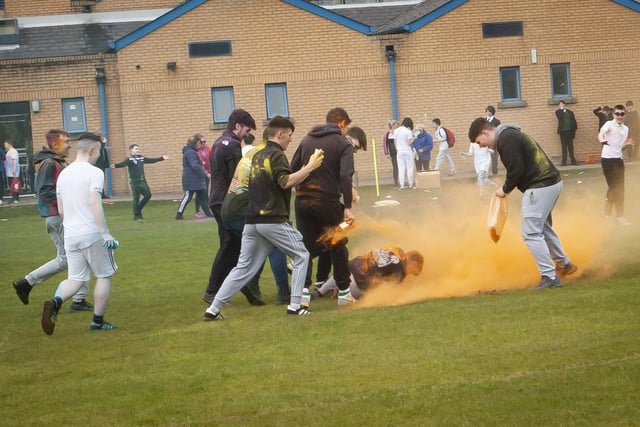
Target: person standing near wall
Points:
x,y
406,162
567,127
440,138
194,177
390,148
12,169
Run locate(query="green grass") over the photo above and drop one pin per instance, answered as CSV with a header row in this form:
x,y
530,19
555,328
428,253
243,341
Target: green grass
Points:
x,y
569,356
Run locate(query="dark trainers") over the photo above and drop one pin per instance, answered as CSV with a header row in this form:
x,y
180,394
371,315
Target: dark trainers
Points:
x,y
49,316
179,216
104,326
22,288
209,317
80,306
317,294
547,282
208,298
567,269
302,311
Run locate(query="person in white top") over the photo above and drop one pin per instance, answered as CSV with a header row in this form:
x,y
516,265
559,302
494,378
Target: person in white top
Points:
x,y
614,137
406,164
482,164
87,240
440,138
12,168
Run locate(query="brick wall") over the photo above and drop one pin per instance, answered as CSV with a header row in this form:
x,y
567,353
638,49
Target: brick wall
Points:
x,y
444,70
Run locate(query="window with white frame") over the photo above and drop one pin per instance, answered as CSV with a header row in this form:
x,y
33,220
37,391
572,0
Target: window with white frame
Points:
x,y
74,117
223,103
276,99
510,83
560,81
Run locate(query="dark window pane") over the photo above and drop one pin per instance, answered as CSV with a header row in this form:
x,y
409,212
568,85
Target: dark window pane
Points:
x,y
502,29
560,84
509,78
201,49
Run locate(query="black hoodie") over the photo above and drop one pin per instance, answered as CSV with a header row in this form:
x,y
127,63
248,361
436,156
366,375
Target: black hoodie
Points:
x,y
334,176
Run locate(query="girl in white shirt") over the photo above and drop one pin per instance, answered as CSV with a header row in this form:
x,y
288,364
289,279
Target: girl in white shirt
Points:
x,y
406,165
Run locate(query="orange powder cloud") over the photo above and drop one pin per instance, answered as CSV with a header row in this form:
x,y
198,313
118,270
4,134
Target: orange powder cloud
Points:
x,y
461,259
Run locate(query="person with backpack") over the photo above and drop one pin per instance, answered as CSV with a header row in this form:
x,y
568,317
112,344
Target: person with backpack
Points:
x,y
441,138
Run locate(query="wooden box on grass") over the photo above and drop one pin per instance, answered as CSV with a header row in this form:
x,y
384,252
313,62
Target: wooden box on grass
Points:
x,y
429,179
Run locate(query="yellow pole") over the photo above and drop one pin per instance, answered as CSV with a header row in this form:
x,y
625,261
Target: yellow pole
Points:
x,y
375,168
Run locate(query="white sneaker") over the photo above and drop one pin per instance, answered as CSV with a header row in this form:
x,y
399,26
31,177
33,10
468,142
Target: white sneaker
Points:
x,y
346,299
0,201
306,298
622,221
608,219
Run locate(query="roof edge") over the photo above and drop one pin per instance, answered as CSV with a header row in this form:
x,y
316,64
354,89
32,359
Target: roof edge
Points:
x,y
432,16
330,15
631,4
159,22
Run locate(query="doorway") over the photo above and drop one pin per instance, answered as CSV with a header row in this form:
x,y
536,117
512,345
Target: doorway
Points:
x,y
15,125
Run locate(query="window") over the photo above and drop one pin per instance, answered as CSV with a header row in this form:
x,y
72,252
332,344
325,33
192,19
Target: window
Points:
x,y
203,49
560,81
8,31
510,83
276,97
502,29
223,103
1,4
73,115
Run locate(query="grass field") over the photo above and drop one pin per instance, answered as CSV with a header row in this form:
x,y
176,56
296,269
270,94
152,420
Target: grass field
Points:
x,y
465,344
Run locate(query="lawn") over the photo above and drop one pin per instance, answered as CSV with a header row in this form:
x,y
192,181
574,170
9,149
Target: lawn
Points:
x,y
465,344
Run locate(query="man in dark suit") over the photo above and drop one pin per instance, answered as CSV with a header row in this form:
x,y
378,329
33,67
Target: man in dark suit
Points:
x,y
567,127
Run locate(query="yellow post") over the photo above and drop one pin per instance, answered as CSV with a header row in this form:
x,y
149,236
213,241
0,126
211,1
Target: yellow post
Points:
x,y
375,168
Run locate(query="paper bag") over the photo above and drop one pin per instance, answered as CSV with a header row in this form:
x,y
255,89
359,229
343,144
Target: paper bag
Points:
x,y
497,217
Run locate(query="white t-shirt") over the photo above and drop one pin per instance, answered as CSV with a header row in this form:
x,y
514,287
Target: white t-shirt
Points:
x,y
75,183
12,163
403,136
616,135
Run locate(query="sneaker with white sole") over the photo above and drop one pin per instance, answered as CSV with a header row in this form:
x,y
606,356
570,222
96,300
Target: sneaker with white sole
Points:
x,y
302,311
104,326
210,317
306,297
345,298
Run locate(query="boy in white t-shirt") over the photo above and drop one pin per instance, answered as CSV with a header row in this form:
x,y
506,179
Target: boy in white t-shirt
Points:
x,y
87,240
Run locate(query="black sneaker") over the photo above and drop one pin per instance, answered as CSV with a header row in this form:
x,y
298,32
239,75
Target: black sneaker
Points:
x,y
80,306
547,283
49,316
207,298
22,288
566,270
209,317
179,216
302,311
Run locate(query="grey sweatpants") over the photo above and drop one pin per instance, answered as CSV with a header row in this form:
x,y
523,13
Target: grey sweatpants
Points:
x,y
536,228
55,230
257,242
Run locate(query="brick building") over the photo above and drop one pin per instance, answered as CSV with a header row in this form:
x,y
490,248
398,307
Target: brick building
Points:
x,y
155,72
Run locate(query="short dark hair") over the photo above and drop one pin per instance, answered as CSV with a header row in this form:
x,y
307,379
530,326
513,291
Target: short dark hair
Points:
x,y
357,133
338,114
477,126
133,145
491,109
416,257
620,107
436,121
242,117
90,136
279,123
407,122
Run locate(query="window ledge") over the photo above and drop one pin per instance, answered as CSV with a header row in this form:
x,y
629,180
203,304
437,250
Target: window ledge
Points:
x,y
217,126
566,99
512,104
